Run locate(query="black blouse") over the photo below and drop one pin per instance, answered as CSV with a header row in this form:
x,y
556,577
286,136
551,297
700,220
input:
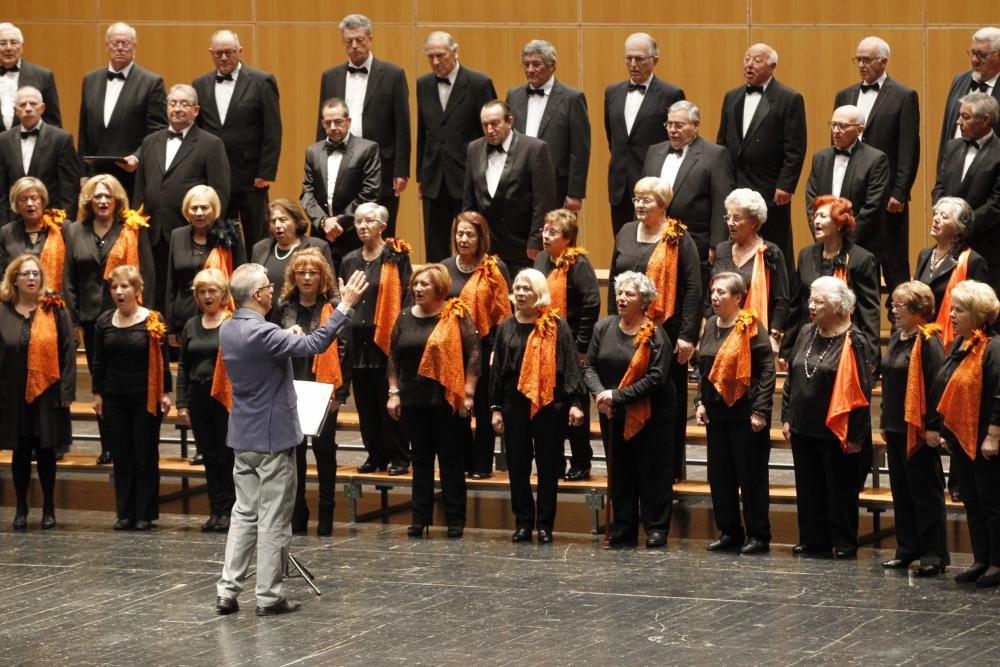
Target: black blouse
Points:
x,y
185,260
758,397
777,298
989,404
199,350
364,353
583,299
266,254
290,313
938,279
609,356
895,368
121,358
14,241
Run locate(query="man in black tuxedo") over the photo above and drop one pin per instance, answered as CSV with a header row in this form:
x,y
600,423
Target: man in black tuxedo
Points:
x,y
984,77
892,125
342,172
550,110
16,73
633,121
855,171
970,169
38,149
379,101
764,127
700,174
239,105
449,99
174,160
511,181
120,105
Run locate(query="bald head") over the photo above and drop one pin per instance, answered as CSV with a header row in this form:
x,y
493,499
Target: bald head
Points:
x,y
846,125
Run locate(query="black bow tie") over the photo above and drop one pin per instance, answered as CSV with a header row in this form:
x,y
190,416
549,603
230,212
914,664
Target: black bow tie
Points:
x,y
865,87
972,143
536,91
755,89
174,135
980,86
29,133
443,80
115,75
491,148
332,147
641,87
675,151
357,70
219,78
846,152
4,70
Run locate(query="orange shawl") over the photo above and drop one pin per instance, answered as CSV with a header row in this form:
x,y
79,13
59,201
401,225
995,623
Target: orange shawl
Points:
x,y
222,388
326,365
390,292
760,286
915,403
730,372
53,254
662,270
43,348
443,360
154,373
638,412
557,278
537,380
485,295
222,259
959,404
126,247
847,393
960,273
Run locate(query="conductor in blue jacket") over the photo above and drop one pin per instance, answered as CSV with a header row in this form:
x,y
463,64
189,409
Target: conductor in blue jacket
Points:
x,y
264,430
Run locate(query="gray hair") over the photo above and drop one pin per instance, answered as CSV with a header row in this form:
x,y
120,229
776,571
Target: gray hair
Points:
x,y
643,284
184,88
539,285
122,26
772,55
988,34
693,112
352,21
854,112
731,281
246,280
651,46
542,49
441,37
881,46
13,28
381,212
223,34
836,292
750,201
982,105
28,90
961,212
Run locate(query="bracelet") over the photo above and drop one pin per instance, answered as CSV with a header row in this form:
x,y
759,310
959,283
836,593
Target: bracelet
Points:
x,y
394,391
697,404
776,335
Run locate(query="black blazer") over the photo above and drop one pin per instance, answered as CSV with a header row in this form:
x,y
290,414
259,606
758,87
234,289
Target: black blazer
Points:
x,y
54,162
565,127
443,136
628,149
703,182
200,160
981,188
959,89
14,241
525,193
771,155
140,110
183,265
252,131
893,127
385,116
44,80
866,185
977,270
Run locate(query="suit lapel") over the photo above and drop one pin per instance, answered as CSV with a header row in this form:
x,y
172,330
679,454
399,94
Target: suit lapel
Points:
x,y
879,100
508,163
687,164
978,159
41,148
519,107
187,146
762,110
551,104
644,106
123,99
239,90
374,80
617,111
12,147
349,150
458,91
857,156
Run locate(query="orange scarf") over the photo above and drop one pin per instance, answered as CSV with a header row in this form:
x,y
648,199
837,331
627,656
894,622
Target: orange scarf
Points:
x,y
760,286
915,404
960,273
847,393
840,271
662,270
485,295
959,404
390,292
154,373
326,365
126,247
557,278
222,259
730,372
638,412
443,360
222,388
53,254
537,380
43,348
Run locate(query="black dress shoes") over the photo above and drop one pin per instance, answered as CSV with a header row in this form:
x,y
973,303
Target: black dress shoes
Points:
x,y
395,470
417,530
929,570
222,524
970,575
544,536
725,543
142,524
123,524
897,564
481,475
811,550
21,522
455,532
521,535
577,474
226,606
48,521
209,526
197,459
755,546
104,458
368,466
656,540
283,606
616,540
844,554
988,580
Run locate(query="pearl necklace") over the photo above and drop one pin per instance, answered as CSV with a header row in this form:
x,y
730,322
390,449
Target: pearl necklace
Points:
x,y
805,362
458,265
287,254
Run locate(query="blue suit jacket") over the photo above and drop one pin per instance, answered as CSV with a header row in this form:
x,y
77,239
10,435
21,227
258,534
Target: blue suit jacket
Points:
x,y
258,357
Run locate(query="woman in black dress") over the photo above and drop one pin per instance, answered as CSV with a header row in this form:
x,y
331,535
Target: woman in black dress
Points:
x,y
535,393
38,368
573,285
433,368
908,369
626,372
131,385
289,233
734,403
29,232
204,410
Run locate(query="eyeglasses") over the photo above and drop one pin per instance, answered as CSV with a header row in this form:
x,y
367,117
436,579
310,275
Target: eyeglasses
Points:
x,y
269,287
982,55
675,125
863,60
842,126
4,43
184,104
645,201
224,53
335,122
638,59
733,218
29,274
896,305
306,273
120,44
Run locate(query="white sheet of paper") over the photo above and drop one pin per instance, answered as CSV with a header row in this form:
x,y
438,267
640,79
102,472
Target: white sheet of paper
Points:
x,y
313,405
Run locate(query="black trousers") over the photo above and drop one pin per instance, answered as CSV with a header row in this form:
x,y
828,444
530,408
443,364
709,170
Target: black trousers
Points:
x,y
622,214
678,375
641,474
540,439
20,467
250,207
981,497
210,425
581,451
89,341
161,258
478,447
439,212
380,433
737,459
434,431
324,448
390,201
918,502
826,492
134,437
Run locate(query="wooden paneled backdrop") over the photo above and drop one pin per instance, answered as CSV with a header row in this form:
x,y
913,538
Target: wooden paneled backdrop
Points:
x,y
701,45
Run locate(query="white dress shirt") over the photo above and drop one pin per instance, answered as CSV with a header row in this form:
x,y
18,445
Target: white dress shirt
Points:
x,y
333,160
113,92
355,88
174,145
633,100
28,146
971,151
866,100
840,169
444,92
8,95
224,93
495,161
668,172
991,86
750,104
536,108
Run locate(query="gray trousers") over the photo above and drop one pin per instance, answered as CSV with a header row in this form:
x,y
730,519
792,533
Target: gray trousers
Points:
x,y
261,521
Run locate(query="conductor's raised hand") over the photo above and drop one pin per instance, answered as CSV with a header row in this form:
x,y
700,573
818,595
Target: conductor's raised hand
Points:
x,y
352,290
